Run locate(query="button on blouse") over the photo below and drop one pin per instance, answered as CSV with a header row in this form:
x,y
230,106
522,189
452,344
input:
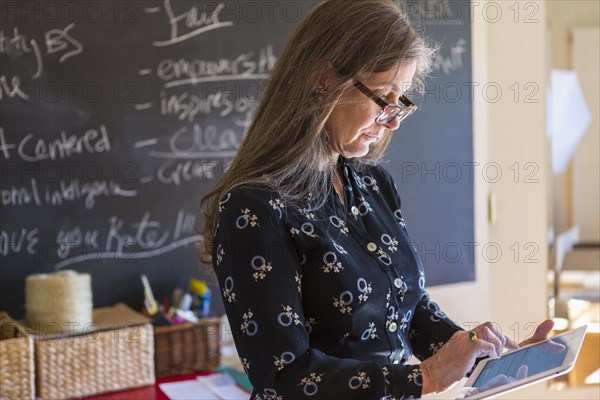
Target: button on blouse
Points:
x,y
326,303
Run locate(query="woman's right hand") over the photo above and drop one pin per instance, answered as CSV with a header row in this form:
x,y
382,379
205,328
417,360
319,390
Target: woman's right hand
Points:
x,y
453,360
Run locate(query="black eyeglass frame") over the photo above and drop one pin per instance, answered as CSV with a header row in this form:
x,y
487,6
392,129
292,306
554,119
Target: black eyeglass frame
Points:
x,y
397,111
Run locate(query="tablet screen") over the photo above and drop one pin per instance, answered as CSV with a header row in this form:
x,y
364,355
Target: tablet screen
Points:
x,y
532,363
522,364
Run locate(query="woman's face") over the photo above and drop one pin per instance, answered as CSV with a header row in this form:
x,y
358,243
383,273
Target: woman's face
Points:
x,y
351,125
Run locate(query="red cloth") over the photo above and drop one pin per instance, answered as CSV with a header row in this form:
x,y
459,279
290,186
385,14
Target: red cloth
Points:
x,y
147,392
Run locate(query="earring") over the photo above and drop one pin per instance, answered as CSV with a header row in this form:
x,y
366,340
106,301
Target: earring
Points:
x,y
319,94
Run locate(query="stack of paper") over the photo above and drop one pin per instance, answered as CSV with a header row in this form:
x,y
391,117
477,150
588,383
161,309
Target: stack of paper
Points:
x,y
216,386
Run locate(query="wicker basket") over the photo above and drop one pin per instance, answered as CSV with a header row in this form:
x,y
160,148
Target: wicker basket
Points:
x,y
16,361
100,361
183,349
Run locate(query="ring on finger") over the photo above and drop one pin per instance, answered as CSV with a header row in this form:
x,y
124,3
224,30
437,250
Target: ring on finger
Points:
x,y
472,336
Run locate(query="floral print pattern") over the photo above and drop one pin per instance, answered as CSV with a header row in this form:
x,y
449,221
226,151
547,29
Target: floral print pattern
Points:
x,y
335,289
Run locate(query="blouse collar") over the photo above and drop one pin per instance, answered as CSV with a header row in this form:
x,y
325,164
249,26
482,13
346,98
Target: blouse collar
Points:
x,y
351,177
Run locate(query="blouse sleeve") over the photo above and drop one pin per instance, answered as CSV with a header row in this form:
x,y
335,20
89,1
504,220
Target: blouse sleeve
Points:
x,y
430,328
260,277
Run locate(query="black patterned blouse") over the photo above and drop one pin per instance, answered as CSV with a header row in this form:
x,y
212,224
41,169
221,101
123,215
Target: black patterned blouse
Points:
x,y
327,304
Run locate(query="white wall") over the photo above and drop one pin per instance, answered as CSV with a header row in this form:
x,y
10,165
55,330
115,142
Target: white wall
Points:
x,y
517,64
518,144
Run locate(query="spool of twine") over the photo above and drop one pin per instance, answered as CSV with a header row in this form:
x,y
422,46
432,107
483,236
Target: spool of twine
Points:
x,y
59,302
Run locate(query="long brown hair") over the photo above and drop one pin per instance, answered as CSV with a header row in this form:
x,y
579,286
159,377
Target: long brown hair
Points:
x,y
285,148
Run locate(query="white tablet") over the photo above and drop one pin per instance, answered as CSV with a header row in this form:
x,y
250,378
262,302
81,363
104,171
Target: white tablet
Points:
x,y
525,366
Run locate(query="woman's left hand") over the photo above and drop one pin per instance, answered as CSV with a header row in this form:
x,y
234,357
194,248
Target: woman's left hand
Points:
x,y
541,333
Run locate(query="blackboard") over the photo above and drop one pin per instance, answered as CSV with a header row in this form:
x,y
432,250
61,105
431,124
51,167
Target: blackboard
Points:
x,y
117,116
431,155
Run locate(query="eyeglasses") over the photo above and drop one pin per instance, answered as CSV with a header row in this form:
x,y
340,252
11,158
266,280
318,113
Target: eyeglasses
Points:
x,y
388,111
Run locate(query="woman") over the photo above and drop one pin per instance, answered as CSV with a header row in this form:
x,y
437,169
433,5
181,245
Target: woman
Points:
x,y
324,292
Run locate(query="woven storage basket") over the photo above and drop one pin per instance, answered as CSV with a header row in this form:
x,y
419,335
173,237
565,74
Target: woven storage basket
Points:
x,y
183,349
16,361
104,360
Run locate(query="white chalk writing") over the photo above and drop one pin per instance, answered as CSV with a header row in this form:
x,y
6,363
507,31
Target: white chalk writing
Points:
x,y
194,23
18,241
31,149
201,142
125,240
249,65
64,192
454,61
